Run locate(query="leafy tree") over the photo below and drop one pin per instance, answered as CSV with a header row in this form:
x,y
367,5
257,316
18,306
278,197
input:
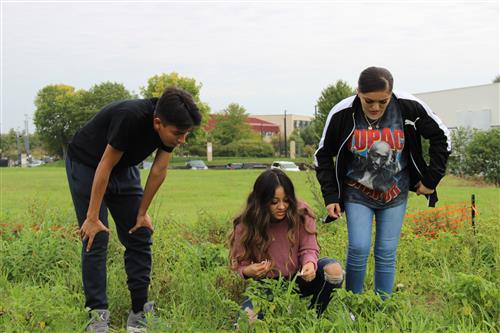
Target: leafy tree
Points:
x,y
309,151
246,147
460,139
309,136
299,142
330,96
61,111
483,155
496,79
57,116
231,125
157,84
100,95
8,143
277,144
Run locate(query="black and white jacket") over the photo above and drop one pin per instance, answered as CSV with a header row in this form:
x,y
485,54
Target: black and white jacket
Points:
x,y
418,119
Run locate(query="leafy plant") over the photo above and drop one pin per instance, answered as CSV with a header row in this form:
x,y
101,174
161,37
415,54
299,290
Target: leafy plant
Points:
x,y
476,297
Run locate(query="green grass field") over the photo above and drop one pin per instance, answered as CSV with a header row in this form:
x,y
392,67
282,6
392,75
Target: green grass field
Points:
x,y
448,284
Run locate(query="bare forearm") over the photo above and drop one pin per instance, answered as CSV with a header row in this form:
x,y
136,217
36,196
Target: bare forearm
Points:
x,y
156,177
152,185
108,161
99,185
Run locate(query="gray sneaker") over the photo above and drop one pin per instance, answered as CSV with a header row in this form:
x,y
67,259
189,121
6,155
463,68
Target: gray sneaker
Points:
x,y
137,322
99,321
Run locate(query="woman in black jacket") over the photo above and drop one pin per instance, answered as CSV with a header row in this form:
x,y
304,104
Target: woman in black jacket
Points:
x,y
369,157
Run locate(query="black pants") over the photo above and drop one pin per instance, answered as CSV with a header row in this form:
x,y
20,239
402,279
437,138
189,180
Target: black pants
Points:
x,y
122,197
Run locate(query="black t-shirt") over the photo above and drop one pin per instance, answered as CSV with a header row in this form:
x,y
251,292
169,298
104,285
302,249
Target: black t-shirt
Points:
x,y
378,176
126,125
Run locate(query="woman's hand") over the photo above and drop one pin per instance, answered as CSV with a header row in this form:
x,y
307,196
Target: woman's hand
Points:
x,y
333,210
422,189
258,270
308,273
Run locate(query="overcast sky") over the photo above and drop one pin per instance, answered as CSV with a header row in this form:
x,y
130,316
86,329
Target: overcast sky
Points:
x,y
267,56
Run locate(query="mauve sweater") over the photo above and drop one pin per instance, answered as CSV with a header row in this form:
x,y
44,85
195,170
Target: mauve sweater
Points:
x,y
305,250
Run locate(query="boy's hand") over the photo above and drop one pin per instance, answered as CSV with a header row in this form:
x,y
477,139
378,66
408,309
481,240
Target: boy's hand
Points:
x,y
143,221
308,273
89,229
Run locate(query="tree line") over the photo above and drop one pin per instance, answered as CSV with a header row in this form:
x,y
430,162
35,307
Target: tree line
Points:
x,y
61,110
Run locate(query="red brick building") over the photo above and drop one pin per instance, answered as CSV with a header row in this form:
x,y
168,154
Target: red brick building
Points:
x,y
265,128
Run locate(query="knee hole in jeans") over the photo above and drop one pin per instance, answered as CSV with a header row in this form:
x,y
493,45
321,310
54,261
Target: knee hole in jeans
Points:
x,y
333,273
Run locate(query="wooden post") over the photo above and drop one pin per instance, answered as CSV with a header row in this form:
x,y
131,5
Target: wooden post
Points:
x,y
473,213
209,151
292,149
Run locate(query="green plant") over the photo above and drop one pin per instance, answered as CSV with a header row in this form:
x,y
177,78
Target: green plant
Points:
x,y
476,297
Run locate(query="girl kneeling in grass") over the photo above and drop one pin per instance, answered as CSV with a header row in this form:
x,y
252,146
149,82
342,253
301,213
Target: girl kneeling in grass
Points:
x,y
276,235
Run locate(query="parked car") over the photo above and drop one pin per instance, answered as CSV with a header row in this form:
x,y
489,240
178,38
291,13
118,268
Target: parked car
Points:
x,y
285,166
196,165
35,163
233,166
47,159
253,165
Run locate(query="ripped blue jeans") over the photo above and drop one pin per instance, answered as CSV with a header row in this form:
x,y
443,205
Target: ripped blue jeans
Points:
x,y
388,222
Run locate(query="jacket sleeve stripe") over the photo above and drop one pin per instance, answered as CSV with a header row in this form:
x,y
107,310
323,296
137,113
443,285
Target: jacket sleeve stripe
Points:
x,y
442,126
343,104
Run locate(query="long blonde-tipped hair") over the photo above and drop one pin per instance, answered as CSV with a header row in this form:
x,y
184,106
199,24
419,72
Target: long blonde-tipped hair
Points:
x,y
256,217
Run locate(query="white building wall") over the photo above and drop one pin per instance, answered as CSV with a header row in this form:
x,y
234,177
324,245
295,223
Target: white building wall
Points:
x,y
475,107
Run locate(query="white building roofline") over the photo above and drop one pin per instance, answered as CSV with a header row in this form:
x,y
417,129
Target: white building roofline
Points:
x,y
451,89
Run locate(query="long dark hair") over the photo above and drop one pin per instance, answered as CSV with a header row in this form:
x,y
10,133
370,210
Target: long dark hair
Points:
x,y
256,216
375,79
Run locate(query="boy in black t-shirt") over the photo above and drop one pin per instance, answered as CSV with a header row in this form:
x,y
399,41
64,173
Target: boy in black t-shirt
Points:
x,y
102,174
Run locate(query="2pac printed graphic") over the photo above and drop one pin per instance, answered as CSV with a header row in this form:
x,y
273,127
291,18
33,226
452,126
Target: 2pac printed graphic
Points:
x,y
376,170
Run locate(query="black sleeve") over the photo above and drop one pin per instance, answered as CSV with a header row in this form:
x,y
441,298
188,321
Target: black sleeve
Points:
x,y
433,129
119,130
324,163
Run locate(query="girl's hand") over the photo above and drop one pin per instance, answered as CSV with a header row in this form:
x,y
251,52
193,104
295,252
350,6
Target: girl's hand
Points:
x,y
308,273
334,210
258,270
422,189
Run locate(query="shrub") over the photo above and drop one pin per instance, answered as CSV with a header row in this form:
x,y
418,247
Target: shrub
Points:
x,y
460,139
196,149
483,155
243,148
309,151
474,296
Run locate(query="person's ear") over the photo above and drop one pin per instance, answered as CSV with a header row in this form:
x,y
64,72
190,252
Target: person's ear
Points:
x,y
156,123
